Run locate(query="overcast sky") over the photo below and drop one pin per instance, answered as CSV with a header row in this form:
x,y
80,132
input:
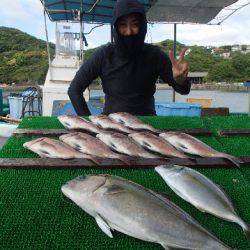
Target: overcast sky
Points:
x,y
27,16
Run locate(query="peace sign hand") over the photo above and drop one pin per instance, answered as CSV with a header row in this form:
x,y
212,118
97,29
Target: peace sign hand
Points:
x,y
180,69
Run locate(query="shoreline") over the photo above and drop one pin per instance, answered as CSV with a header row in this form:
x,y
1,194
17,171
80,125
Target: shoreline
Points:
x,y
225,88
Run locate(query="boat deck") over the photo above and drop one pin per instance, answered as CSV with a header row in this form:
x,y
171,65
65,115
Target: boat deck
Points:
x,y
35,214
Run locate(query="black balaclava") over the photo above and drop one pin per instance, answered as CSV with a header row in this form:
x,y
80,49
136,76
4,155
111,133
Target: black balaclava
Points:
x,y
131,45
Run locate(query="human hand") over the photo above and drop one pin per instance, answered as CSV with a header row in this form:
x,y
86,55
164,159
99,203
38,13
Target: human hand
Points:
x,y
180,68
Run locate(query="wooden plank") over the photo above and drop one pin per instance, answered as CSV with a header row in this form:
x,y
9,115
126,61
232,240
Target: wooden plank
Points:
x,y
58,132
135,163
43,132
10,120
234,132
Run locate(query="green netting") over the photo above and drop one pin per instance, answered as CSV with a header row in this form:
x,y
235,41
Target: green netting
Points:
x,y
38,122
171,122
35,215
231,122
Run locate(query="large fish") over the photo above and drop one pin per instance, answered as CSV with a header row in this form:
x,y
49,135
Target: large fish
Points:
x,y
156,144
88,144
132,122
122,205
50,148
106,122
201,192
123,144
77,122
192,145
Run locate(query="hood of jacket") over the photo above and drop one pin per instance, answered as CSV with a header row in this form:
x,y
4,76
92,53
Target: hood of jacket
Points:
x,y
131,45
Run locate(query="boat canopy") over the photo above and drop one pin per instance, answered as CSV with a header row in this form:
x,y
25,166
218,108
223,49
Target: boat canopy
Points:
x,y
165,11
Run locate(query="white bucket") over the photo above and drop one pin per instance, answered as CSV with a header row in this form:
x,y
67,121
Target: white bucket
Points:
x,y
7,129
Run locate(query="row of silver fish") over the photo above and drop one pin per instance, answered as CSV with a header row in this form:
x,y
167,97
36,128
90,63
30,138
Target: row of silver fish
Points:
x,y
91,145
173,144
121,121
122,205
131,145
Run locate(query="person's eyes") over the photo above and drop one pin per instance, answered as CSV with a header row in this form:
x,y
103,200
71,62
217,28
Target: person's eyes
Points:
x,y
122,24
136,24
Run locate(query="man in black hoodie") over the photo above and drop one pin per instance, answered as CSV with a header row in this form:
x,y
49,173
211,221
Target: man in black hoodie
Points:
x,y
129,68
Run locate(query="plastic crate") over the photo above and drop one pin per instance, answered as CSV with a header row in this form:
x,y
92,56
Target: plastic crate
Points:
x,y
177,109
205,102
96,104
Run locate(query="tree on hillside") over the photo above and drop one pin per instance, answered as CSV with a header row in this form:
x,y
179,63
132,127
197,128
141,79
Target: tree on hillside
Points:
x,y
23,57
241,63
167,45
200,59
223,71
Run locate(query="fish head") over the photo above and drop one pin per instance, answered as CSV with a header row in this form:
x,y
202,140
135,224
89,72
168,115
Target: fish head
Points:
x,y
30,144
169,170
65,137
65,120
171,137
105,136
169,134
82,187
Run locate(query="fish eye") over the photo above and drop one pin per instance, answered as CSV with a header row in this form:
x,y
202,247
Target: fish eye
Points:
x,y
81,177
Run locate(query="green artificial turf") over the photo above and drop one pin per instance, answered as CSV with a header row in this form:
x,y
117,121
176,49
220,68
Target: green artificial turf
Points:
x,y
34,214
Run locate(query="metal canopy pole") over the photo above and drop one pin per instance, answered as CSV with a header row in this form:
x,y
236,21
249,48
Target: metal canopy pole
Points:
x,y
47,39
247,84
111,33
174,49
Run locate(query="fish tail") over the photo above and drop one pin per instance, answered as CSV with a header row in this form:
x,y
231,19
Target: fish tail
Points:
x,y
247,231
124,159
157,131
233,159
94,159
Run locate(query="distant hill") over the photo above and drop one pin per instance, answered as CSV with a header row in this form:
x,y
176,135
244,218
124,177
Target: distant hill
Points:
x,y
23,58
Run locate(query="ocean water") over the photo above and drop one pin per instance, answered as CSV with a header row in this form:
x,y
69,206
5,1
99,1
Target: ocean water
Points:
x,y
237,102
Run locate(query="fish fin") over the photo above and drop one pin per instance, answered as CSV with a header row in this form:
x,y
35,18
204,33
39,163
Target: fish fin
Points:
x,y
44,154
93,159
182,147
247,231
114,189
166,247
233,159
124,159
199,208
146,145
112,145
103,225
164,195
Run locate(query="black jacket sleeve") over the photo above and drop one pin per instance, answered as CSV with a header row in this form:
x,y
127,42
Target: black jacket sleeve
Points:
x,y
166,74
88,72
